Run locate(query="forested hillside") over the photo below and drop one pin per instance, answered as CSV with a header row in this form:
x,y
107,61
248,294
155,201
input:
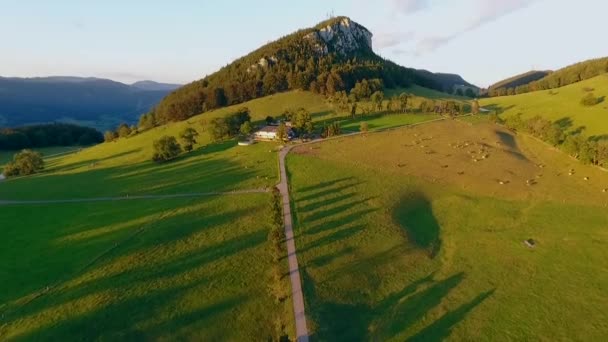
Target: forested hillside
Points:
x,y
95,102
333,56
48,135
562,77
509,84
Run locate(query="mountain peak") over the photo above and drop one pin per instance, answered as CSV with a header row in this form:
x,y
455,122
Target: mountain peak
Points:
x,y
341,35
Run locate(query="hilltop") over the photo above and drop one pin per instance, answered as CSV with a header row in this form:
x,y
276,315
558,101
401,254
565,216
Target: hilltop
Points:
x,y
95,102
516,81
571,74
329,57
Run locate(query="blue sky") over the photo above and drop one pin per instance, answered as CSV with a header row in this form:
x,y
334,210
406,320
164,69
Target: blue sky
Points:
x,y
181,41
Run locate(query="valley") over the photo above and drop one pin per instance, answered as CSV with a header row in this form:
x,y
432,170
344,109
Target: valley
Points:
x,y
310,190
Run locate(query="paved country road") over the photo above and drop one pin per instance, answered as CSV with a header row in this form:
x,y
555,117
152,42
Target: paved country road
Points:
x,y
294,271
137,197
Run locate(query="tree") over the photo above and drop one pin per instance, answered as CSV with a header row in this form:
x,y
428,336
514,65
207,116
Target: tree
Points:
x,y
475,107
269,120
353,110
459,92
403,100
302,121
124,130
24,163
188,137
282,132
109,136
246,128
377,98
165,148
147,121
469,93
219,129
363,127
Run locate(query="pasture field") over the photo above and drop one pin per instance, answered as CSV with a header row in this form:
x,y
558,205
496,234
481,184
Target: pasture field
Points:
x,y
47,152
561,104
402,235
196,269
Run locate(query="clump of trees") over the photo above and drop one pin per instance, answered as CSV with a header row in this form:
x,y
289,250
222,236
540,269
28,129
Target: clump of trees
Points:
x,y
165,149
585,149
57,134
24,163
229,126
276,246
122,131
301,121
332,129
590,100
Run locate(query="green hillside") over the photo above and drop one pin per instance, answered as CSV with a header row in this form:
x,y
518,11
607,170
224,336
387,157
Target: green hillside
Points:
x,y
565,76
562,104
330,57
518,80
410,235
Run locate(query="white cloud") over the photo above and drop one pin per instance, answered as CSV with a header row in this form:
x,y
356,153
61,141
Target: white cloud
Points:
x,y
390,39
410,6
489,11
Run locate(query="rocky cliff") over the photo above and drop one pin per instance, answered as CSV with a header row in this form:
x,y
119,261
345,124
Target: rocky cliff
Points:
x,y
341,35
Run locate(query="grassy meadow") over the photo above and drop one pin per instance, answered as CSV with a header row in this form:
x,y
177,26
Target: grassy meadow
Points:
x,y
404,236
561,104
145,270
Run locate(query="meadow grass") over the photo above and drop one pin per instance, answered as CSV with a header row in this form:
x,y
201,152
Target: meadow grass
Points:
x,y
165,270
48,153
215,167
561,104
393,245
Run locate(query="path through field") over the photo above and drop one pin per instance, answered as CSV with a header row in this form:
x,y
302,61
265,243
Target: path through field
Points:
x,y
294,271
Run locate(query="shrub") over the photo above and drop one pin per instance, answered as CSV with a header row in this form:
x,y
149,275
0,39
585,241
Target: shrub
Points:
x,y
166,148
364,127
24,163
590,100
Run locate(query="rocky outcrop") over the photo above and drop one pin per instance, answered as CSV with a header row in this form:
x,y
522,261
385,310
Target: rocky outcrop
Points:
x,y
341,35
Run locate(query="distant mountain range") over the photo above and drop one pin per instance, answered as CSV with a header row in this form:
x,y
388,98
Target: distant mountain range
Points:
x,y
95,102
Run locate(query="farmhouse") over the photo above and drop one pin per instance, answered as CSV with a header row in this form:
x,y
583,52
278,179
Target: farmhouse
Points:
x,y
270,133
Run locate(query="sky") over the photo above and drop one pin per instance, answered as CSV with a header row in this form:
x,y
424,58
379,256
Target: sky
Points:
x,y
181,41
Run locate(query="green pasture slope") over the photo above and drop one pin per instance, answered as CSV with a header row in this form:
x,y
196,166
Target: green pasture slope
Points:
x,y
561,104
392,251
173,269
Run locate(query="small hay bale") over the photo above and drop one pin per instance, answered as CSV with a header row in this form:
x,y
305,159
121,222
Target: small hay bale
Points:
x,y
586,178
530,243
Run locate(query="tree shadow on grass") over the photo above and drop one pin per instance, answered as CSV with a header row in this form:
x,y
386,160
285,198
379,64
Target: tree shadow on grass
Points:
x,y
395,314
442,328
415,213
508,139
139,275
201,175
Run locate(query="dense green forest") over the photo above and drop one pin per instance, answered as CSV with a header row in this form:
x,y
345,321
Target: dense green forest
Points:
x,y
301,60
518,80
57,134
568,75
